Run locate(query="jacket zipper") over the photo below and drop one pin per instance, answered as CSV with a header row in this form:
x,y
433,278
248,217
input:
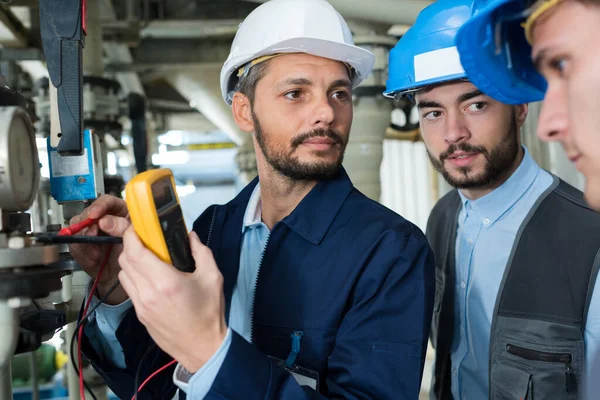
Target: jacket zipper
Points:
x,y
262,257
534,355
212,223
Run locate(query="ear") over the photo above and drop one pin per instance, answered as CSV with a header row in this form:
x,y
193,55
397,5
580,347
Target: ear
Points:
x,y
521,113
242,112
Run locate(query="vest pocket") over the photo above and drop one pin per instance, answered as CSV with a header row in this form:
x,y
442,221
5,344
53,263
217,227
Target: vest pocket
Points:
x,y
511,382
561,358
552,367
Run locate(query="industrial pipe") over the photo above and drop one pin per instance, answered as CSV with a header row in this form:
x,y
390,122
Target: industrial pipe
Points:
x,y
391,12
9,332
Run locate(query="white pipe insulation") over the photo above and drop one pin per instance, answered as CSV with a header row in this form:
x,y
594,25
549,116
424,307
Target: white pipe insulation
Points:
x,y
201,87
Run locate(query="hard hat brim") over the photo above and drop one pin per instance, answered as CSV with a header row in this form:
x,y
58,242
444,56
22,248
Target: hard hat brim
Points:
x,y
361,60
504,72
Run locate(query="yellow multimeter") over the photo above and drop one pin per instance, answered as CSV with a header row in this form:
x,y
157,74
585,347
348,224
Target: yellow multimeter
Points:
x,y
157,218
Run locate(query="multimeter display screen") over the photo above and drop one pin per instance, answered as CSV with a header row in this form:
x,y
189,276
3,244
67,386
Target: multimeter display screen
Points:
x,y
162,191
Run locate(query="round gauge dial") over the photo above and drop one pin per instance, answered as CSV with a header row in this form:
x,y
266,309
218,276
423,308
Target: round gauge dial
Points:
x,y
19,162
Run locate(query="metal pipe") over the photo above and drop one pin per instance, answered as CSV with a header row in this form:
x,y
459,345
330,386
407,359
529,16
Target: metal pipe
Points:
x,y
385,11
72,378
9,332
92,52
5,383
35,388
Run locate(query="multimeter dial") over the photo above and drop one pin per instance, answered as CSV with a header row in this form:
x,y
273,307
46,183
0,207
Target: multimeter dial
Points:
x,y
19,161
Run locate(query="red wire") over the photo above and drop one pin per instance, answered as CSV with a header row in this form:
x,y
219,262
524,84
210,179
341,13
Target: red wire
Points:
x,y
75,228
85,311
84,16
158,371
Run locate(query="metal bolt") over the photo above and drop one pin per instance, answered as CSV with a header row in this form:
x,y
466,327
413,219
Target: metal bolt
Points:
x,y
16,242
18,302
81,179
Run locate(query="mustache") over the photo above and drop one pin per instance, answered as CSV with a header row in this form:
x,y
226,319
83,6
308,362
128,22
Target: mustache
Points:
x,y
466,147
319,132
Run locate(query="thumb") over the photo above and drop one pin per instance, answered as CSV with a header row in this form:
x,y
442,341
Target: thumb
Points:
x,y
114,226
200,252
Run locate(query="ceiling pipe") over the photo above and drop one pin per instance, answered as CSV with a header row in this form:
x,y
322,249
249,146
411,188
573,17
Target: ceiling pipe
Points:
x,y
390,12
201,87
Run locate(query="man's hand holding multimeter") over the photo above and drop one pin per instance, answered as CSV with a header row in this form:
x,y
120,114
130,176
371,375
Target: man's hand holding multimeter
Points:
x,y
182,308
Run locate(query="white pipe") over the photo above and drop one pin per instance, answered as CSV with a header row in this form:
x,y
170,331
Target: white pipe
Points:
x,y
201,87
384,11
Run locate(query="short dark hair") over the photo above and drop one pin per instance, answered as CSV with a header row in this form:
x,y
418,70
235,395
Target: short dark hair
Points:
x,y
247,84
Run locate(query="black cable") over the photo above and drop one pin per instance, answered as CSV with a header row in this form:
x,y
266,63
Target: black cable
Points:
x,y
81,322
56,239
136,381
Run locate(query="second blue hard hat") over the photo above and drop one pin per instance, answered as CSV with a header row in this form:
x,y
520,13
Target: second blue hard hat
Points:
x,y
426,54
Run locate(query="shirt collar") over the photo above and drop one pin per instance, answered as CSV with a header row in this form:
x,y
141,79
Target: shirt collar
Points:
x,y
314,215
493,205
253,214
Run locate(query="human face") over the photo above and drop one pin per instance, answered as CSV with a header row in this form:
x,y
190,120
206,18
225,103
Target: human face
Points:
x,y
471,139
302,115
566,51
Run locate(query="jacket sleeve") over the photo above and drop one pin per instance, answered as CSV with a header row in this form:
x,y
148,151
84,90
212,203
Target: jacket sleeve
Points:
x,y
137,343
381,342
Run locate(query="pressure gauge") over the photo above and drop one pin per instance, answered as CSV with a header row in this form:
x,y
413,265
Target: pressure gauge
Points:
x,y
19,161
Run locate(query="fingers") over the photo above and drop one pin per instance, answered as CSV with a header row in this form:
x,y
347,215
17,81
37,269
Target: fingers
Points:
x,y
104,205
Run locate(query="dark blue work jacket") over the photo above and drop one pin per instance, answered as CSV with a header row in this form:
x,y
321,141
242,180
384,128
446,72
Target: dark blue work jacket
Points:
x,y
353,276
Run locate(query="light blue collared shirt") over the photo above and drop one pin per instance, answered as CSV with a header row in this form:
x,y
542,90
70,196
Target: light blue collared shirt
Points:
x,y
487,228
197,385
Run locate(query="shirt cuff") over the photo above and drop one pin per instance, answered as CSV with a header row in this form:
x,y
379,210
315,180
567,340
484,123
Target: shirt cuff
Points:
x,y
198,385
104,339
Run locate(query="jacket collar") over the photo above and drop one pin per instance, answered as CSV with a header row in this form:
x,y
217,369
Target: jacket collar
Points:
x,y
314,215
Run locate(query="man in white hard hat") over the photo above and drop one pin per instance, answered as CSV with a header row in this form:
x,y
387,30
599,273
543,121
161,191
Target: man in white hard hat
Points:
x,y
314,291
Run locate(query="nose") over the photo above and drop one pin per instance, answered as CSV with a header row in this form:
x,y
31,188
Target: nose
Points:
x,y
456,128
553,123
324,113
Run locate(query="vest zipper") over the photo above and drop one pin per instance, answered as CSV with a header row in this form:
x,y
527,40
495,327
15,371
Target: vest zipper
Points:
x,y
262,257
534,355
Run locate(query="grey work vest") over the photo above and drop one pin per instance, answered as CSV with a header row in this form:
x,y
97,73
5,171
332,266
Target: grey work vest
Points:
x,y
536,343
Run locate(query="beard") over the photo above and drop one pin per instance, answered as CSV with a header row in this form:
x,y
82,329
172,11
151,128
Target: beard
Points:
x,y
499,160
288,164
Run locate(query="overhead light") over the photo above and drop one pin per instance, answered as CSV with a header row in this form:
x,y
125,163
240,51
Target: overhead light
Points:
x,y
171,158
171,138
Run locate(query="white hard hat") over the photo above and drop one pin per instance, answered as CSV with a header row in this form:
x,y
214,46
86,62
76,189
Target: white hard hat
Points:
x,y
294,26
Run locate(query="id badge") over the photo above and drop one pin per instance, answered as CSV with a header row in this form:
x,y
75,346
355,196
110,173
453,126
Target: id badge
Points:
x,y
304,377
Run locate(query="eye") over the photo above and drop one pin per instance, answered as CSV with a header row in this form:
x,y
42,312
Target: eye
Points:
x,y
293,95
479,106
558,64
341,95
432,115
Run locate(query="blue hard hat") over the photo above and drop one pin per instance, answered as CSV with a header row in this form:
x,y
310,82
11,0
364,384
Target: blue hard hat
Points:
x,y
427,54
495,54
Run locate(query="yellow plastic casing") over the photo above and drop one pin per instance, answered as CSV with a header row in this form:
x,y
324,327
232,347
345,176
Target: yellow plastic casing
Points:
x,y
144,213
